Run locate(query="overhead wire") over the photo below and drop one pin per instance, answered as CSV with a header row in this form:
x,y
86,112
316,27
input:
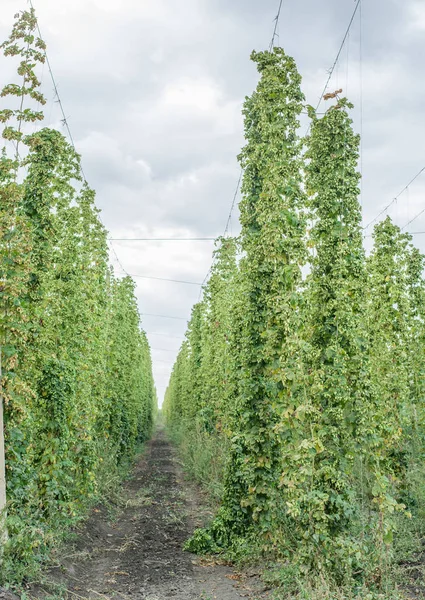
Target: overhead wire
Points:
x,y
118,261
335,63
418,174
276,19
406,187
229,218
165,279
414,218
225,229
68,129
332,69
65,123
163,316
64,119
162,349
177,337
232,207
152,239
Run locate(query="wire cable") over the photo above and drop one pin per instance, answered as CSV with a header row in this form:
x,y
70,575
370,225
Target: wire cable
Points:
x,y
226,229
118,260
165,279
163,316
338,54
229,218
414,218
276,19
177,337
200,239
64,121
163,349
418,174
57,97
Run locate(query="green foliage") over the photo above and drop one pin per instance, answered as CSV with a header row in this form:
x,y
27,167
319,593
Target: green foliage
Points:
x,y
260,313
391,326
203,453
305,360
23,43
340,410
77,376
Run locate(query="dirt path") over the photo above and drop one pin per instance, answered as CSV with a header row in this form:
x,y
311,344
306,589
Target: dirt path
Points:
x,y
139,555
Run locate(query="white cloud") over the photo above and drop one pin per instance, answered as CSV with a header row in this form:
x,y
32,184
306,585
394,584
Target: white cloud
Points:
x,y
416,12
200,95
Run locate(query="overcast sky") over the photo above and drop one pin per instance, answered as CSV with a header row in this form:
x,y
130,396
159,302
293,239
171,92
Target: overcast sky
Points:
x,y
153,91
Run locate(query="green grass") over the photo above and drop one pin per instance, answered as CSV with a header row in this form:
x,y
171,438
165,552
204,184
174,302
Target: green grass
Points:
x,y
203,456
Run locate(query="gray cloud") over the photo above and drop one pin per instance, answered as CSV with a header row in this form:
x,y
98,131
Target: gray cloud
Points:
x,y
153,92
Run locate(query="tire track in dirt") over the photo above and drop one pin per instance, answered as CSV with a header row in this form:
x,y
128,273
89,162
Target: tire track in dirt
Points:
x,y
139,555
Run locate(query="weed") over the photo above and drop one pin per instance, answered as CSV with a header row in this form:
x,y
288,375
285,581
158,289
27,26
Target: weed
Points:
x,y
203,457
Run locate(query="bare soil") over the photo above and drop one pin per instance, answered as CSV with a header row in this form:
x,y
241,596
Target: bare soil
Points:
x,y
138,555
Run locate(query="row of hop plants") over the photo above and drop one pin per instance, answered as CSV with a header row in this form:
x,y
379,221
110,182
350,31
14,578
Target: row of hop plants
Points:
x,y
76,382
305,358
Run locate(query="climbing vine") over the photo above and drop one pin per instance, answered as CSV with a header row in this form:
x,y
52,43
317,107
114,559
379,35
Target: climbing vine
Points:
x,y
305,357
343,410
77,379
